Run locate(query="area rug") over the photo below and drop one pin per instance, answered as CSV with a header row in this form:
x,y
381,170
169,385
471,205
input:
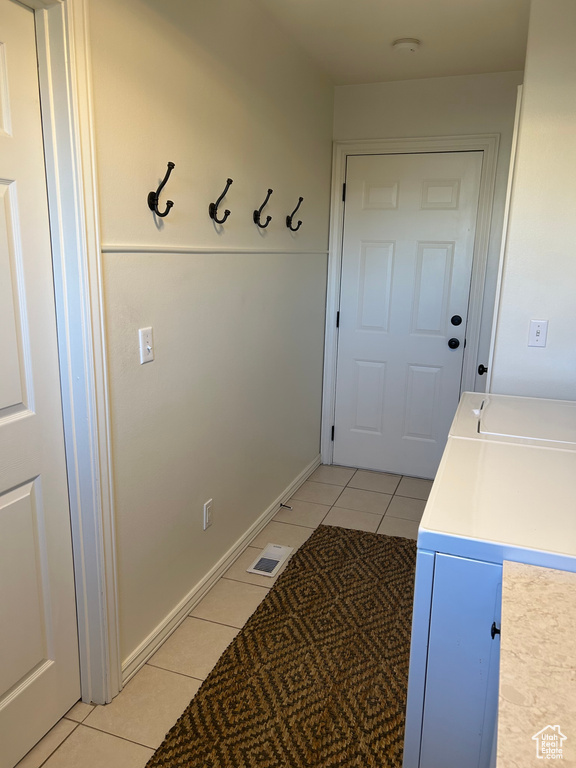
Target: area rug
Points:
x,y
317,677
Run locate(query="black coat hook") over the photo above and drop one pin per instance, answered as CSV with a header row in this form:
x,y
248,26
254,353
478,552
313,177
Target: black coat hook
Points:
x,y
289,218
258,213
153,196
213,207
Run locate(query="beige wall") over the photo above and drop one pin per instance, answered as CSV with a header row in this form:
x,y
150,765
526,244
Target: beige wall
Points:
x,y
441,106
539,279
230,408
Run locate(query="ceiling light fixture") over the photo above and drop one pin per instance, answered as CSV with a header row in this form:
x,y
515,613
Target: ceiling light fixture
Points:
x,y
409,44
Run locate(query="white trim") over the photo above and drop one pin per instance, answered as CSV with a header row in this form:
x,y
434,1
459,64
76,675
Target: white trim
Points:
x,y
172,621
177,249
65,86
40,5
504,243
486,143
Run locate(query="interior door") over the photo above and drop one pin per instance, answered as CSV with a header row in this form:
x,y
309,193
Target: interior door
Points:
x,y
39,675
408,247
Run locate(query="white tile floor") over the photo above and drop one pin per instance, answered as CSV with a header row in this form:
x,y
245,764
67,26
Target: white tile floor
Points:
x,y
125,733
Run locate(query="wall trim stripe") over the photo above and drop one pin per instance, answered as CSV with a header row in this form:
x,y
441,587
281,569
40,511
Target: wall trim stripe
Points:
x,y
172,621
178,249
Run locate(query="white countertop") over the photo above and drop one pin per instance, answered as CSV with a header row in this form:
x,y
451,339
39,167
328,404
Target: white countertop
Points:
x,y
537,666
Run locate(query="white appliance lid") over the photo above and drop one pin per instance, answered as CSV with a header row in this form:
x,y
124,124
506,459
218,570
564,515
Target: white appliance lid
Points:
x,y
512,419
529,418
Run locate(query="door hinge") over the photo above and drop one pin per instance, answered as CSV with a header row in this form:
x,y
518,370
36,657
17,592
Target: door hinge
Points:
x,y
338,319
343,192
332,434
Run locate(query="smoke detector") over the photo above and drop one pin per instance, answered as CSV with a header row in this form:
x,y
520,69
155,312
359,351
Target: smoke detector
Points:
x,y
409,44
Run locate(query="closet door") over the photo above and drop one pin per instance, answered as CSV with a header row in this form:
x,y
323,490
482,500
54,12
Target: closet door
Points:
x,y
39,676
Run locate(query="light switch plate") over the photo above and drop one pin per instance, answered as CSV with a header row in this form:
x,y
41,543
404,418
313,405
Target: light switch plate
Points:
x,y
538,333
208,513
146,345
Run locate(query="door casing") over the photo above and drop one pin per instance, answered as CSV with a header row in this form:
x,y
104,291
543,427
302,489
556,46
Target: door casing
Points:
x,y
65,90
486,143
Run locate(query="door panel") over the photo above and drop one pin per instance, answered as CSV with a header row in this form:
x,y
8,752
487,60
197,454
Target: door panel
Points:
x,y
39,676
422,398
432,284
408,246
24,642
369,396
11,384
376,262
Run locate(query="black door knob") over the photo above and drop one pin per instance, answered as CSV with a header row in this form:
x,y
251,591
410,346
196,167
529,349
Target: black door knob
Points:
x,y
494,630
453,343
482,370
455,319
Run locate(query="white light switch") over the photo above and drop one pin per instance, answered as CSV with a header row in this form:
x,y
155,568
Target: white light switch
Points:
x,y
146,345
538,333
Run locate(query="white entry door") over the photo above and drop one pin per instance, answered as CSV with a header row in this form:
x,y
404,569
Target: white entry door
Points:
x,y
39,675
408,245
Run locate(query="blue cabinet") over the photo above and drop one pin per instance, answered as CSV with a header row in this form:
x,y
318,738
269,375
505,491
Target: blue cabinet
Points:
x,y
453,686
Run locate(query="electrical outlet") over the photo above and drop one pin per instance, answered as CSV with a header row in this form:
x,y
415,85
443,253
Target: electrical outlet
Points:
x,y
208,513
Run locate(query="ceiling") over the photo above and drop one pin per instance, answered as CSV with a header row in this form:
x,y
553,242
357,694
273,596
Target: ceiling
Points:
x,y
351,39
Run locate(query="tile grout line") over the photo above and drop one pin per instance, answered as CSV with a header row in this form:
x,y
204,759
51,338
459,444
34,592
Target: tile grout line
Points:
x,y
182,674
79,722
229,578
211,621
253,584
219,623
56,749
123,738
362,511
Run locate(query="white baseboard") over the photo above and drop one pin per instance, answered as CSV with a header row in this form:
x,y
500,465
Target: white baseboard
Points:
x,y
150,645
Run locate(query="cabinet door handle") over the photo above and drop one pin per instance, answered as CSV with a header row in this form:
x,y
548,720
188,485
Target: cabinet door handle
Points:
x,y
494,630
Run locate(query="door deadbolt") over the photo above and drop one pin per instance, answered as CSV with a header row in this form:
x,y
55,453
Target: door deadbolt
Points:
x,y
456,320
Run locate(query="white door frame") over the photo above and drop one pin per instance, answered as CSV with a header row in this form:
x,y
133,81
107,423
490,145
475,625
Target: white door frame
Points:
x,y
486,143
65,88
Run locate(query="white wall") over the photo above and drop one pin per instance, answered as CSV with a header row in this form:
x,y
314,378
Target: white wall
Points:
x,y
441,106
539,279
230,408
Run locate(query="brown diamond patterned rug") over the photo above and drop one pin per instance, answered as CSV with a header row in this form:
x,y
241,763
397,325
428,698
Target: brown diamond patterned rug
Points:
x,y
317,677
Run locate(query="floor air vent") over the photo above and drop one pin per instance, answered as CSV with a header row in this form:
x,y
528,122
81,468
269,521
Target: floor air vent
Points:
x,y
270,560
